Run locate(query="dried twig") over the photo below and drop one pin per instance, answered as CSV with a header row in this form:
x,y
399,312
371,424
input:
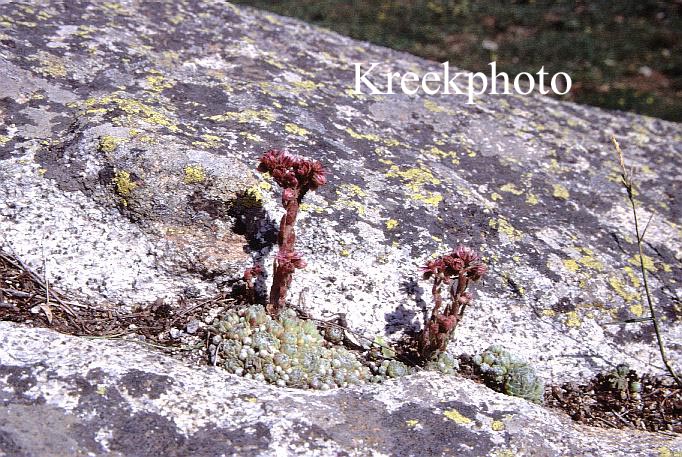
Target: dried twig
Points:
x,y
630,188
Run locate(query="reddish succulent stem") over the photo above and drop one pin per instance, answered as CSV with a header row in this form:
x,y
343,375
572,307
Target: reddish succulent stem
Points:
x,y
462,265
296,176
285,239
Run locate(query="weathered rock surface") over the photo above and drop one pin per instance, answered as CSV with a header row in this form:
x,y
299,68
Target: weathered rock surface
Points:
x,y
128,136
85,397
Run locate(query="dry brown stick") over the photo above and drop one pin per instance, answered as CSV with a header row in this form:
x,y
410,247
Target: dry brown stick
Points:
x,y
629,187
8,306
15,293
20,265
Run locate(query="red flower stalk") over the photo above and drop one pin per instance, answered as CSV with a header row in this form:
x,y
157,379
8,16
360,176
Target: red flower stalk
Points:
x,y
296,176
455,270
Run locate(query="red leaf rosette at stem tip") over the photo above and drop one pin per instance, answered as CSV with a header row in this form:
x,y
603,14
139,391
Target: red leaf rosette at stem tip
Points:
x,y
312,173
291,171
432,267
461,260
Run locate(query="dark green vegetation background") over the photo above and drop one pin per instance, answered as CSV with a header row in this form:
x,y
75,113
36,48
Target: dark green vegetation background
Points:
x,y
620,54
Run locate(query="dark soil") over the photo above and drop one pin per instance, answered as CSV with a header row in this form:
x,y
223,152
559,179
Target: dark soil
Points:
x,y
658,407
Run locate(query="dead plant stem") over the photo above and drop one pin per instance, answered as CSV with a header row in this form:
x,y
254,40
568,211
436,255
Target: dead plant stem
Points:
x,y
629,187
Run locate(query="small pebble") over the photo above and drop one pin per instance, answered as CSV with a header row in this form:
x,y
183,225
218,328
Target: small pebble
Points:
x,y
193,326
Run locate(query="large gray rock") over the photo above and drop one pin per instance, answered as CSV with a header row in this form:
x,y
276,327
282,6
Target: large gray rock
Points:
x,y
68,396
129,133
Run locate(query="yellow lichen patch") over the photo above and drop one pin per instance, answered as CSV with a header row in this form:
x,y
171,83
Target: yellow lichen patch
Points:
x,y
637,309
176,19
108,143
295,129
560,192
351,189
194,174
503,225
3,140
308,85
157,83
349,194
52,65
532,199
147,139
667,452
251,137
504,453
439,153
497,426
412,422
495,196
245,116
619,287
116,7
251,198
648,263
436,108
344,252
85,31
414,180
634,278
124,185
548,312
511,188
308,207
456,416
132,107
350,91
372,137
572,319
571,265
589,260
391,224
210,141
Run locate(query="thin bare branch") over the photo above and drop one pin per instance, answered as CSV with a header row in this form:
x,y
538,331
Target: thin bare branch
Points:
x,y
630,187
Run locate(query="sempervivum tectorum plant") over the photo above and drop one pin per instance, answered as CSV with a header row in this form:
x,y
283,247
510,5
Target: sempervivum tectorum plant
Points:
x,y
454,270
296,176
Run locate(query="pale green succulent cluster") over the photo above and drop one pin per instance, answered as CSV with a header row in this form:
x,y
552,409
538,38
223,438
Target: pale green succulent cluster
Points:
x,y
286,351
507,374
444,362
388,369
624,380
